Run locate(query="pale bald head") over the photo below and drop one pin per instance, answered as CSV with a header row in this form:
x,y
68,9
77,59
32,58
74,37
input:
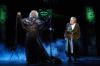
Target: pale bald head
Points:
x,y
73,20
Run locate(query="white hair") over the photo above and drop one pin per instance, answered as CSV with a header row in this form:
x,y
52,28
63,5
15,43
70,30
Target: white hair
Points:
x,y
73,18
36,14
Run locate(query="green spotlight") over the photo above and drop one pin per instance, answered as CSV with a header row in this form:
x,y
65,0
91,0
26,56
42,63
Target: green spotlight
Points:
x,y
90,15
3,14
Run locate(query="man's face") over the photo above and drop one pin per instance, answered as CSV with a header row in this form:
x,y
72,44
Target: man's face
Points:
x,y
33,14
72,21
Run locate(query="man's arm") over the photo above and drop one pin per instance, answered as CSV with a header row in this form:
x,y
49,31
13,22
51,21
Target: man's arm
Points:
x,y
76,32
67,33
45,25
20,20
18,17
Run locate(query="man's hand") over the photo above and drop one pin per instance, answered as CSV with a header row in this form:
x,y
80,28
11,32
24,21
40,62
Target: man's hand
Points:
x,y
18,13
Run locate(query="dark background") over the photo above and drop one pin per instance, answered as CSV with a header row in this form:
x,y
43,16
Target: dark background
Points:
x,y
63,10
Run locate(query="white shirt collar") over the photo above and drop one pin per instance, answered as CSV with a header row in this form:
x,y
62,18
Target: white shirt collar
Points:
x,y
73,26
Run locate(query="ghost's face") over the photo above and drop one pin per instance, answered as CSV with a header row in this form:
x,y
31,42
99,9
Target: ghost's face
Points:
x,y
72,20
34,13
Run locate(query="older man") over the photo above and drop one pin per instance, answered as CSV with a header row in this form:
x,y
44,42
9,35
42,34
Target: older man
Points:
x,y
72,34
35,52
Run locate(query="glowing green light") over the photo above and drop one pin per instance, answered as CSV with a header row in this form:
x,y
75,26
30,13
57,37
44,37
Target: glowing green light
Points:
x,y
3,12
45,13
90,15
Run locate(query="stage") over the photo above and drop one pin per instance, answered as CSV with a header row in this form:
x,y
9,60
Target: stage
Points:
x,y
82,61
55,14
18,57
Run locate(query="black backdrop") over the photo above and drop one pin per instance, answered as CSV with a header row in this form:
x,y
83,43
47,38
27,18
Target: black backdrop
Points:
x,y
64,8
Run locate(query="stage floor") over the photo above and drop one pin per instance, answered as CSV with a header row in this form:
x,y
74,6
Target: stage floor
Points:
x,y
18,57
82,61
